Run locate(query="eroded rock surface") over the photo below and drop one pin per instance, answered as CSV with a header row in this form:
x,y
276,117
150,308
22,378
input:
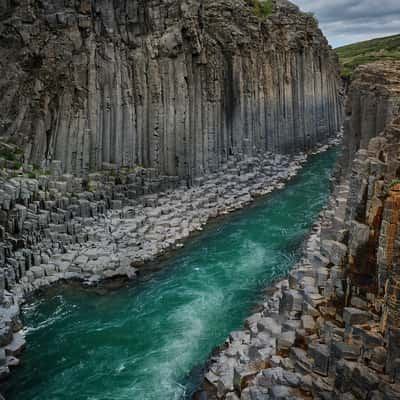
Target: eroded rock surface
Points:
x,y
372,103
176,85
338,311
148,118
64,228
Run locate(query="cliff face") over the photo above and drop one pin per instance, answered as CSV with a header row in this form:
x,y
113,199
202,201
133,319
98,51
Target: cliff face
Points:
x,y
174,85
373,208
364,228
332,329
372,103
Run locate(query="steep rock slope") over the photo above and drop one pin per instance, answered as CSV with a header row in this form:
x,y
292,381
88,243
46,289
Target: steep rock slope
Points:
x,y
175,85
372,103
372,215
362,230
332,329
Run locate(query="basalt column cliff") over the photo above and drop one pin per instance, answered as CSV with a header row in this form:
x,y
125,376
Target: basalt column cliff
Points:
x,y
174,85
332,329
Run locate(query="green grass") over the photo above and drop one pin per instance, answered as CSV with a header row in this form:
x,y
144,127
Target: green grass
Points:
x,y
356,54
36,173
8,154
394,183
17,165
31,175
262,8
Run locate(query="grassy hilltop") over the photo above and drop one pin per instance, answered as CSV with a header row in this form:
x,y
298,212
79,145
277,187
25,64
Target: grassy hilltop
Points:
x,y
353,55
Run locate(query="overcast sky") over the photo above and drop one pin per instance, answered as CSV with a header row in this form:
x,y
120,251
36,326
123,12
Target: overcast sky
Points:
x,y
349,21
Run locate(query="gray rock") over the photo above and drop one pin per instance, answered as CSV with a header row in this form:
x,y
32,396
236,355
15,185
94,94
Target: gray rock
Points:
x,y
16,346
241,375
278,376
368,338
4,372
286,340
231,396
279,392
345,351
392,366
3,359
364,381
38,272
335,251
314,299
390,392
269,325
255,393
5,333
359,237
291,325
319,261
120,140
354,316
308,323
292,300
302,362
320,354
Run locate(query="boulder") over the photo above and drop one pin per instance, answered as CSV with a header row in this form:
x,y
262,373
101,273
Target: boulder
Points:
x,y
278,376
364,381
270,326
280,392
255,393
345,351
336,252
308,323
355,316
286,340
320,354
242,374
292,300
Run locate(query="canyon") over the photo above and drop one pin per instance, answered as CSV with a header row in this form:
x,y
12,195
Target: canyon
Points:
x,y
331,330
149,338
127,126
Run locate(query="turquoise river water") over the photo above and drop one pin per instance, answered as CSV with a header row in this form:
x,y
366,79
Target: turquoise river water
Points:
x,y
142,341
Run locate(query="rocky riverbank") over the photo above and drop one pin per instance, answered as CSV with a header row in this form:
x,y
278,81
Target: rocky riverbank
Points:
x,y
332,329
62,228
198,94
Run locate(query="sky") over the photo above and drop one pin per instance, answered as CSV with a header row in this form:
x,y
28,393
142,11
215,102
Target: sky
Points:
x,y
349,21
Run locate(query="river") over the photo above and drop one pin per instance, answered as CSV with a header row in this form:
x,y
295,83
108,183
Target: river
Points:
x,y
140,342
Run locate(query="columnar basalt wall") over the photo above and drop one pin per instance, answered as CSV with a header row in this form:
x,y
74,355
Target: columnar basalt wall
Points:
x,y
373,222
372,142
175,85
372,103
332,329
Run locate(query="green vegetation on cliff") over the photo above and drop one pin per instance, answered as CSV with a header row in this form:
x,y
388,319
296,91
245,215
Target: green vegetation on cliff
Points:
x,y
262,8
353,55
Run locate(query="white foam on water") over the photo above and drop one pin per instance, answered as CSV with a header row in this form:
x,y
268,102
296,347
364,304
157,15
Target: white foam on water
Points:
x,y
191,322
141,345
